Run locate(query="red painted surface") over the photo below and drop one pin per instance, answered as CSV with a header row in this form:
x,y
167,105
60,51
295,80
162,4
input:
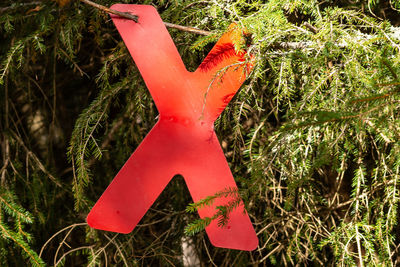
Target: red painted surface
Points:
x,y
183,141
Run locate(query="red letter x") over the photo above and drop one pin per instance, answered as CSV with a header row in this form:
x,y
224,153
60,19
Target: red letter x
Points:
x,y
183,141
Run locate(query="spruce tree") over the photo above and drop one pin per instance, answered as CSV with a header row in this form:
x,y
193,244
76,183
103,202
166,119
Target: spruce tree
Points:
x,y
312,138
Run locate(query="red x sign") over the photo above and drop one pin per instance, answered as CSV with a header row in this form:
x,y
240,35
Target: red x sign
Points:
x,y
183,141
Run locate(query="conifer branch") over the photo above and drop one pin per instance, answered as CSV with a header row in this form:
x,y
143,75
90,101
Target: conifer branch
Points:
x,y
187,29
7,233
4,9
222,213
313,135
279,45
14,210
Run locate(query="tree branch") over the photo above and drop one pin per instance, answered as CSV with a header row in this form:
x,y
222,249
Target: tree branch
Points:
x,y
108,10
186,29
14,6
135,18
311,27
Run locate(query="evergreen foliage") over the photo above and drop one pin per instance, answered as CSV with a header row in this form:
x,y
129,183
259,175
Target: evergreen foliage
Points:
x,y
312,138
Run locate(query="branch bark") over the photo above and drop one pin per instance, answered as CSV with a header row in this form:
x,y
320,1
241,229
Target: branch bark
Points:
x,y
4,9
186,29
111,11
135,18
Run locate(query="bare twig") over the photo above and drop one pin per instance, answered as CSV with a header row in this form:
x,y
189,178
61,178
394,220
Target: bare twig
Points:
x,y
208,254
292,45
62,230
186,29
33,156
111,11
15,6
135,18
118,247
72,251
6,144
311,27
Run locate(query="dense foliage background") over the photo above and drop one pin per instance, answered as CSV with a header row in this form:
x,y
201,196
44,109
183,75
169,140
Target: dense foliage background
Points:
x,y
312,138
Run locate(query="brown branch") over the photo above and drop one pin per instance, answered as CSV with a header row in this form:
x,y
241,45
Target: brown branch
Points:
x,y
186,29
35,159
135,18
108,10
292,45
311,27
4,9
6,144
